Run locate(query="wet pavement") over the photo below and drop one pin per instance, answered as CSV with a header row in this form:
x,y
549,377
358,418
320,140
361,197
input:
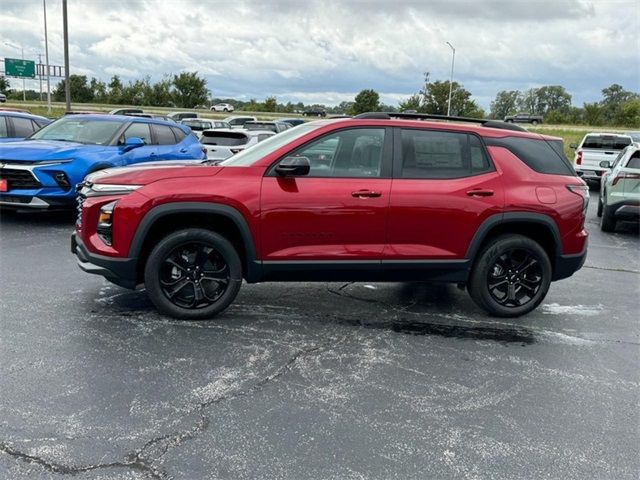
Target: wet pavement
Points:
x,y
306,381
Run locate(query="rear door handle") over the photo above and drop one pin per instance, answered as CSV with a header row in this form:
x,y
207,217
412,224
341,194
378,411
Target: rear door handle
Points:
x,y
479,192
365,194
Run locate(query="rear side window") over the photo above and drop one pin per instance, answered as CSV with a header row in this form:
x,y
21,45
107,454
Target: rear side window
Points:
x,y
23,126
538,155
605,142
164,135
437,154
178,133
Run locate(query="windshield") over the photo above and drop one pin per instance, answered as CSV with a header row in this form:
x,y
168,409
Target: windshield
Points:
x,y
79,130
253,154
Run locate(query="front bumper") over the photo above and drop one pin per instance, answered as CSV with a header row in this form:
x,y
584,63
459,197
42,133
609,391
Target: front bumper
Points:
x,y
121,271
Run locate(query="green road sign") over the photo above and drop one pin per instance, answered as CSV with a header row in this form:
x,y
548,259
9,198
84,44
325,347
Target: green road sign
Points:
x,y
14,67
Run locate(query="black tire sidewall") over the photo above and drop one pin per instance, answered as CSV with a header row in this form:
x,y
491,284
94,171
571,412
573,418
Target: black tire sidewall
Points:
x,y
479,274
607,222
168,244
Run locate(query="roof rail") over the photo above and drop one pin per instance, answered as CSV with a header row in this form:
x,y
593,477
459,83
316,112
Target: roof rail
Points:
x,y
485,122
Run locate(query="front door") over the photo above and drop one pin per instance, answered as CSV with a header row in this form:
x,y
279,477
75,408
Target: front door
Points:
x,y
338,211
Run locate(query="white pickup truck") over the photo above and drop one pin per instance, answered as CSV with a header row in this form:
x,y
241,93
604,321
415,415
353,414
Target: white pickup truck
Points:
x,y
595,148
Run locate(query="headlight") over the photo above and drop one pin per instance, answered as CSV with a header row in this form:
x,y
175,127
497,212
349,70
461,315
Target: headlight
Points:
x,y
105,222
110,189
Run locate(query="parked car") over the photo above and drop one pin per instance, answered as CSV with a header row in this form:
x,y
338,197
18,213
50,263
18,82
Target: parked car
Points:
x,y
315,112
179,116
620,189
43,170
275,127
635,136
152,115
3,98
125,111
198,125
595,148
238,121
222,107
524,118
489,207
294,122
15,126
222,144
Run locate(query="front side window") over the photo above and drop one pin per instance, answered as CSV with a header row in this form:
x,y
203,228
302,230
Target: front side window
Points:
x,y
356,153
140,130
437,154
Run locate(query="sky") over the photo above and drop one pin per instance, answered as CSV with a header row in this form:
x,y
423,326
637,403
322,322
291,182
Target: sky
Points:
x,y
327,51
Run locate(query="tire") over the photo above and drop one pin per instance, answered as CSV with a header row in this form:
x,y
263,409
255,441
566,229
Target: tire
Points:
x,y
534,122
524,267
607,221
600,207
226,109
179,265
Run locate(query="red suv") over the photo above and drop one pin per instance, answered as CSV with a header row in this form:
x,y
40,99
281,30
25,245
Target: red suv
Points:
x,y
379,197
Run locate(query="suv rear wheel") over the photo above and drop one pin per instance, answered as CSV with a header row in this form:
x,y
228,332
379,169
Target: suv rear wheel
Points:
x,y
193,274
511,276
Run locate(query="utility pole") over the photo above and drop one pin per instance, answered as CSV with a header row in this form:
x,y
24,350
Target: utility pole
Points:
x,y
453,59
65,34
40,73
46,56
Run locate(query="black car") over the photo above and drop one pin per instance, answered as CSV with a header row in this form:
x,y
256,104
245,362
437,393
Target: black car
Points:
x,y
294,122
315,112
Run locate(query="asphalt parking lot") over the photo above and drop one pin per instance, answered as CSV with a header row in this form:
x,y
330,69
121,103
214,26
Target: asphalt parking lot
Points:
x,y
306,381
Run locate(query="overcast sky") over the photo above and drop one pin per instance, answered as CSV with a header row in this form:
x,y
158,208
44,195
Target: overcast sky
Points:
x,y
327,51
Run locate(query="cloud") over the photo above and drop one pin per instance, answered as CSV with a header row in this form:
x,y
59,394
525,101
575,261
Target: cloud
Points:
x,y
326,51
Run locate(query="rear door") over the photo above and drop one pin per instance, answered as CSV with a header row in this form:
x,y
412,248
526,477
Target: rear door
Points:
x,y
337,212
444,187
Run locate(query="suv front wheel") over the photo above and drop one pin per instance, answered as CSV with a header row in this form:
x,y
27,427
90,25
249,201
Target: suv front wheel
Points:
x,y
193,274
511,276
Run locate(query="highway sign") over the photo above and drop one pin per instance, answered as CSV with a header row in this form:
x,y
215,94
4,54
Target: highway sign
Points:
x,y
15,67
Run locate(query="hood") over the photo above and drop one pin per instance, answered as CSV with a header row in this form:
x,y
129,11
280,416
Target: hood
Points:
x,y
143,174
31,150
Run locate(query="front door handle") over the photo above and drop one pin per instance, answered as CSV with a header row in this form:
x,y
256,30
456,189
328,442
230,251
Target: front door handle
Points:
x,y
480,192
365,194
183,150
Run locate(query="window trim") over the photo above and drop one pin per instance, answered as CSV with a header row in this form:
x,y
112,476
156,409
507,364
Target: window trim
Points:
x,y
398,160
387,152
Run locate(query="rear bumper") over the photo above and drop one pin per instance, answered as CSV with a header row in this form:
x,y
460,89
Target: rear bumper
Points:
x,y
567,265
626,211
590,173
121,271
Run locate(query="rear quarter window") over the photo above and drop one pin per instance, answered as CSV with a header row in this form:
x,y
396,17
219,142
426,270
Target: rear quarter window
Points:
x,y
540,155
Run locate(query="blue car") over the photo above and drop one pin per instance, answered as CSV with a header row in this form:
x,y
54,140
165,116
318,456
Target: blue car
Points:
x,y
43,170
16,126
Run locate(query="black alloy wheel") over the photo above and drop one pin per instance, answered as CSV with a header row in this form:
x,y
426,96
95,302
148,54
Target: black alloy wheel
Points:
x,y
193,274
511,276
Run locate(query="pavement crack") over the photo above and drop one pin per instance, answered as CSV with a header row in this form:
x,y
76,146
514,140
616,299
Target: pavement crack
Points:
x,y
612,269
62,469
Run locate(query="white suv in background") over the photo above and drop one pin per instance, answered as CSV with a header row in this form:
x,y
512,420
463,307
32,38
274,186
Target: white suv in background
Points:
x,y
222,107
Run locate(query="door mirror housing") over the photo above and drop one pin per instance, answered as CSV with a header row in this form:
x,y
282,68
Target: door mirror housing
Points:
x,y
293,166
573,146
133,142
605,164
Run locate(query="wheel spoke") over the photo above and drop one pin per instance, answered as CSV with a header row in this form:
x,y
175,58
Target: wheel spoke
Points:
x,y
180,285
497,284
511,292
529,264
174,263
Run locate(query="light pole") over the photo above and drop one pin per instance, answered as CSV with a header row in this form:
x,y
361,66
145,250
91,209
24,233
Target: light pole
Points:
x,y
24,92
65,35
453,59
46,56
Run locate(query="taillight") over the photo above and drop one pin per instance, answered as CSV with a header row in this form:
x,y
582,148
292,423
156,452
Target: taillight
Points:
x,y
623,175
579,157
582,191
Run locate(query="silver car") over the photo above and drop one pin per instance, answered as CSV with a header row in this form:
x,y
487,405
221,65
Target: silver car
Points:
x,y
199,125
222,144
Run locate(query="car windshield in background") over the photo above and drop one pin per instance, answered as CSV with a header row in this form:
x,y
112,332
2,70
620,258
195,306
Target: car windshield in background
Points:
x,y
605,142
197,124
253,154
224,139
79,130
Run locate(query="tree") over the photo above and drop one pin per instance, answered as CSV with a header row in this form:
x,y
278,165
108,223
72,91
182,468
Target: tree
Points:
x,y
367,100
189,90
4,84
505,103
270,104
411,103
552,97
628,114
160,93
115,89
593,113
99,90
79,89
433,98
613,98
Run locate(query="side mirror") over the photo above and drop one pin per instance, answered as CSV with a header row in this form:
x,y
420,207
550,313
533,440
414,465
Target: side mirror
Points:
x,y
133,142
573,145
605,164
293,166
